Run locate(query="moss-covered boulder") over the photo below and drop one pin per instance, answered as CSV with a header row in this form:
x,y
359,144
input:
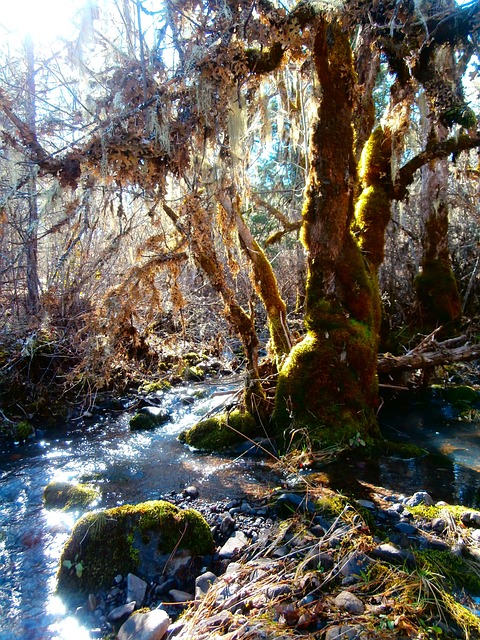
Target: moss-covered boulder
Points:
x,y
148,418
129,539
69,495
461,397
220,432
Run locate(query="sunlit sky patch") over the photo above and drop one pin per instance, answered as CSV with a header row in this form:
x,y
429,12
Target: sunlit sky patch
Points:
x,y
43,20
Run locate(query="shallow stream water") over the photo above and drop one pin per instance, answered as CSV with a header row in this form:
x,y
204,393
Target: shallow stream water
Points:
x,y
131,467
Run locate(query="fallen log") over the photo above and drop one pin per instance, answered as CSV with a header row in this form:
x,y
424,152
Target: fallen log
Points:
x,y
440,354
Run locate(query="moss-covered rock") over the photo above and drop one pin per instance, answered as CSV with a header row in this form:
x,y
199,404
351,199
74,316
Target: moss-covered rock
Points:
x,y
132,538
148,418
68,495
193,374
461,397
155,386
220,432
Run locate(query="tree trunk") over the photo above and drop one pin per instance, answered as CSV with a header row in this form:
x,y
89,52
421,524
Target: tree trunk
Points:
x,y
438,297
265,284
31,240
328,385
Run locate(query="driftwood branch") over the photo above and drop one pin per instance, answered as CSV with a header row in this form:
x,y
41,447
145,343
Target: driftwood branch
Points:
x,y
438,353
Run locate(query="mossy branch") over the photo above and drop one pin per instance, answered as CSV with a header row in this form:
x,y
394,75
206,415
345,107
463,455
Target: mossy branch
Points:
x,y
454,145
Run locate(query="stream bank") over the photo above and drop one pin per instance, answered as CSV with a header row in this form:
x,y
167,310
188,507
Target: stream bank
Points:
x,y
131,467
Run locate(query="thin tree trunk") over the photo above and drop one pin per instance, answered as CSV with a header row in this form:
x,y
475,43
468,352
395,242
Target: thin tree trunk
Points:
x,y
31,241
265,284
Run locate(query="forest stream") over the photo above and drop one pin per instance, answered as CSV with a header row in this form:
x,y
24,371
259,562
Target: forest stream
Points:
x,y
132,467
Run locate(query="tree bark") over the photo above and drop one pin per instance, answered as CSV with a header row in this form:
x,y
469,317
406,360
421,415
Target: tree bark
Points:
x,y
436,288
328,387
265,284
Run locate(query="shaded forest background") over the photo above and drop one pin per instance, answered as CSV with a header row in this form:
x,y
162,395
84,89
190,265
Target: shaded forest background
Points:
x,y
146,165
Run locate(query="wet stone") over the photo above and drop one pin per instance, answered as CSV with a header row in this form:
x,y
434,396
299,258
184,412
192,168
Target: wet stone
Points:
x,y
420,497
405,528
349,602
119,613
390,553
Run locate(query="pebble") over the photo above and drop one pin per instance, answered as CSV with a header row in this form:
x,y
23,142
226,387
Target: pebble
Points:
x,y
136,589
121,612
390,553
349,602
180,596
191,492
418,498
406,528
343,632
233,546
152,625
203,583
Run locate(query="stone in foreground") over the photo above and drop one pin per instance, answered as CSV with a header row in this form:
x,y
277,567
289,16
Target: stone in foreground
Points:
x,y
135,539
152,625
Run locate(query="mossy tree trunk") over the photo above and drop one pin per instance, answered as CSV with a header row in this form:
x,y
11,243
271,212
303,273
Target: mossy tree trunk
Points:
x,y
436,288
265,283
328,385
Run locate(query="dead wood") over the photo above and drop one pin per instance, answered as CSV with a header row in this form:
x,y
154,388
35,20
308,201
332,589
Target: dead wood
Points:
x,y
430,353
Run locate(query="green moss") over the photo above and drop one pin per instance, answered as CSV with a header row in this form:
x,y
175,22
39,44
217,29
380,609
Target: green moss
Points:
x,y
400,450
429,512
457,572
192,357
24,430
131,538
158,385
66,495
437,294
220,432
375,159
193,374
462,397
328,386
264,60
372,213
358,297
460,114
147,420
